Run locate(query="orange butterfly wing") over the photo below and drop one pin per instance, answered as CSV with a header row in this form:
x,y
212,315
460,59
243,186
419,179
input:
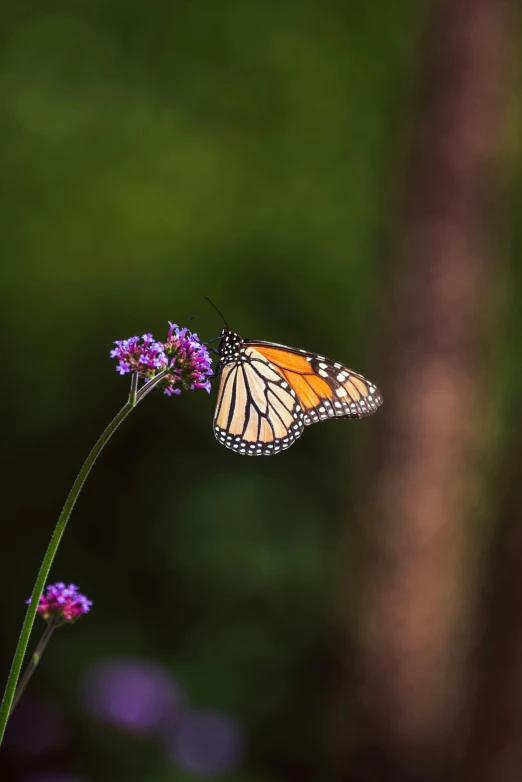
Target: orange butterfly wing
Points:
x,y
324,387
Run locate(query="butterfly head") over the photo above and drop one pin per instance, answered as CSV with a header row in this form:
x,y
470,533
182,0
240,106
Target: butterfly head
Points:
x,y
230,347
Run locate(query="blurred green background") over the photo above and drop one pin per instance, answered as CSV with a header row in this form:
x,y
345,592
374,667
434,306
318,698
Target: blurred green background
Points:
x,y
151,154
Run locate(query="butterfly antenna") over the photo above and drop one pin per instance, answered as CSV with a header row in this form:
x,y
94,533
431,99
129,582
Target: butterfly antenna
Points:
x,y
205,298
195,317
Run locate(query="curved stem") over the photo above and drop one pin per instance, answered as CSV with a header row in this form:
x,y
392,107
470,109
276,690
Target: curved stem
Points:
x,y
149,385
134,398
31,668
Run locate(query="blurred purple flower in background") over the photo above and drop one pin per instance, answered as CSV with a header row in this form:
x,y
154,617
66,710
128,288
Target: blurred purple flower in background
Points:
x,y
132,694
143,699
53,777
207,743
61,604
183,353
36,727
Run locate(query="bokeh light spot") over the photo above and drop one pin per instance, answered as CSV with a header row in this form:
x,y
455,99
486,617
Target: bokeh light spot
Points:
x,y
135,695
207,743
36,727
53,777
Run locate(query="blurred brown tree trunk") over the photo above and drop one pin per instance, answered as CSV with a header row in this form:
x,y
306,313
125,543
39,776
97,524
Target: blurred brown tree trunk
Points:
x,y
494,751
410,642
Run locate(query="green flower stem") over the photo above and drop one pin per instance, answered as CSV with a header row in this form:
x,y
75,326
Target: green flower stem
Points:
x,y
31,668
134,398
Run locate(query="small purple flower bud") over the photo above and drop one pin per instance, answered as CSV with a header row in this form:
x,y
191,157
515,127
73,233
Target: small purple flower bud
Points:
x,y
61,604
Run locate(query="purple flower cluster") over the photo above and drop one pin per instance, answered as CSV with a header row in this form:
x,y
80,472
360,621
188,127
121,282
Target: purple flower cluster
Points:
x,y
189,360
142,355
183,355
61,604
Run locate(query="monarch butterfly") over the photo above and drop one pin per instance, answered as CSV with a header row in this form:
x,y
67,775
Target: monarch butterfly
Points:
x,y
269,392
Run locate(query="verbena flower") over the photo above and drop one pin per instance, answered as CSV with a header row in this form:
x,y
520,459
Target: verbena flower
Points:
x,y
61,604
183,354
190,361
139,354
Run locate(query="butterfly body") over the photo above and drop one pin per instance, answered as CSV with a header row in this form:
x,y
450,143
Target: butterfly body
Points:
x,y
269,392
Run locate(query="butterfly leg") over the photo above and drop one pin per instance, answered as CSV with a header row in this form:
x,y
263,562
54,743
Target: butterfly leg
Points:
x,y
217,373
218,368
